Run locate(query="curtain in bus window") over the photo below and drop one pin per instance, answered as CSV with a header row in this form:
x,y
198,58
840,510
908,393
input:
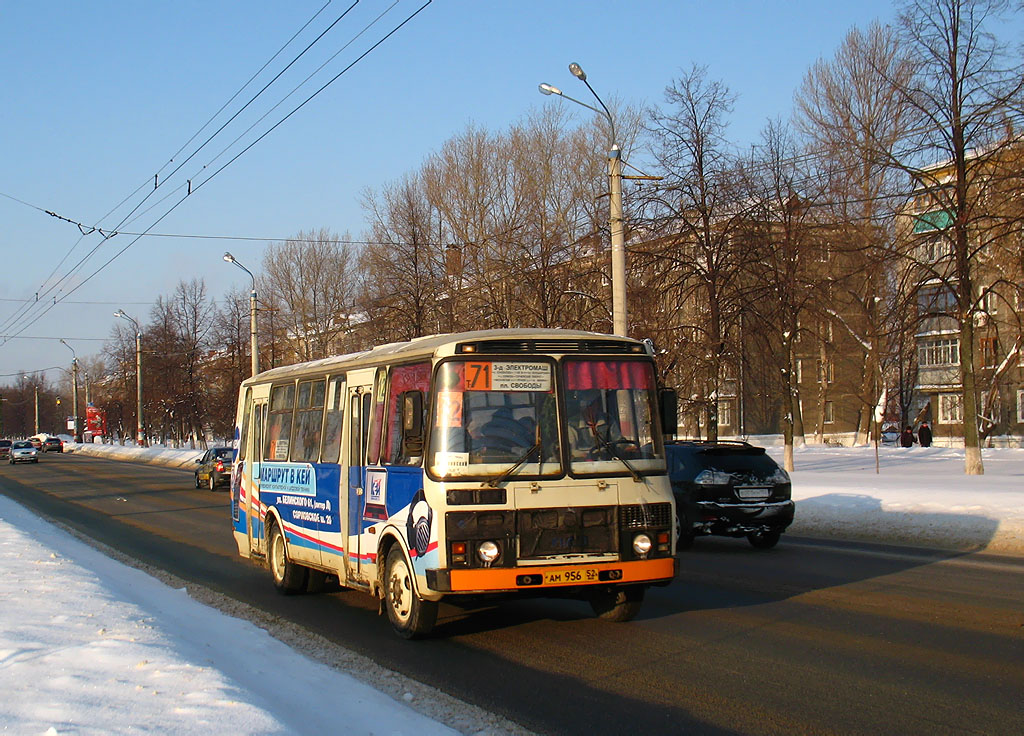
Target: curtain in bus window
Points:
x,y
309,416
403,378
588,374
279,422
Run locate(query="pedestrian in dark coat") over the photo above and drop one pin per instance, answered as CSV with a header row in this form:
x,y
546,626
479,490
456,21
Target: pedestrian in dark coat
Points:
x,y
907,437
924,435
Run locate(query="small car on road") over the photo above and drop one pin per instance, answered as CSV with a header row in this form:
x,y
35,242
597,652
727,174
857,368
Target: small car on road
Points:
x,y
729,488
23,451
52,444
215,468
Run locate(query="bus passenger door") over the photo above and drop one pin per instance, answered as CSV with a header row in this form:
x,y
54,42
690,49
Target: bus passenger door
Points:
x,y
358,418
254,523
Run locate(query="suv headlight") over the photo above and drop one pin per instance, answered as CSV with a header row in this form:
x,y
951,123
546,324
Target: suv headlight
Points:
x,y
712,478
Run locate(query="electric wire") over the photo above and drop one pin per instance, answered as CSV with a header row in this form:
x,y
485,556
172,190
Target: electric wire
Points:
x,y
84,281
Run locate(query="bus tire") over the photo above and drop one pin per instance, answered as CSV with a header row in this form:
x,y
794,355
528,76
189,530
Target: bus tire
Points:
x,y
317,581
289,577
410,617
618,604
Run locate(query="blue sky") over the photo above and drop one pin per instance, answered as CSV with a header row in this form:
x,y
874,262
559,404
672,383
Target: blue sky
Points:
x,y
98,95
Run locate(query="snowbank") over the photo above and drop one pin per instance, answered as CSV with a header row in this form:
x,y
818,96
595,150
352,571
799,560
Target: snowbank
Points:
x,y
89,645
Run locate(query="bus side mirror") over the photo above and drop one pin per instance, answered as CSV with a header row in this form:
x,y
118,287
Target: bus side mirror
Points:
x,y
412,423
668,404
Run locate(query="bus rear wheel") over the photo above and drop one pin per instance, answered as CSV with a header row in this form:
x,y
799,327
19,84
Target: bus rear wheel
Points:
x,y
618,604
410,617
289,577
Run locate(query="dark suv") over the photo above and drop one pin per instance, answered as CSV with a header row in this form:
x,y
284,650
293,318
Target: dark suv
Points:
x,y
729,488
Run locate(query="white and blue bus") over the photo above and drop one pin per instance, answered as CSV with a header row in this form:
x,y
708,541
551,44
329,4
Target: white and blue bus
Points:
x,y
498,462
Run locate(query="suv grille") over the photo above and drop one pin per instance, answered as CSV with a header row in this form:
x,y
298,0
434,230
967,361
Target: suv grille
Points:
x,y
645,516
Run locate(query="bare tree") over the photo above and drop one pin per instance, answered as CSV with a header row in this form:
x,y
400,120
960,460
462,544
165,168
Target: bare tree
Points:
x,y
310,279
852,122
693,256
963,87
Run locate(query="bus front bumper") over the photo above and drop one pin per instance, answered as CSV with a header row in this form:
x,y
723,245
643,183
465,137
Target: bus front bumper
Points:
x,y
510,579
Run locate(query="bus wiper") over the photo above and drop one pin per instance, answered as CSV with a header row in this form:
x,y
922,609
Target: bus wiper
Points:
x,y
504,475
610,446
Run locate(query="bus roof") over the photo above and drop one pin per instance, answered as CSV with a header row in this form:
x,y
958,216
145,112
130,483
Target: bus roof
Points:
x,y
552,341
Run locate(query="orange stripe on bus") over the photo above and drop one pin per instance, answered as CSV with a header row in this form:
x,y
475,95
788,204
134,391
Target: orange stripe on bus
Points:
x,y
504,578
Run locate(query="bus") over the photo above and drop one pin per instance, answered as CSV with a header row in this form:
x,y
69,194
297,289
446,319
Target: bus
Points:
x,y
483,464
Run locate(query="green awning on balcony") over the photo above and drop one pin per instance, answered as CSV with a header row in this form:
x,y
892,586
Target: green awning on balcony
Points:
x,y
938,220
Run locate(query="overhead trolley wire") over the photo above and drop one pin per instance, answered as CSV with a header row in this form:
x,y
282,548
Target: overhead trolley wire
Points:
x,y
48,307
23,313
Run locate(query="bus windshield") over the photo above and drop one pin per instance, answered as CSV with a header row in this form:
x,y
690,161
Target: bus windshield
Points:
x,y
499,418
492,414
609,408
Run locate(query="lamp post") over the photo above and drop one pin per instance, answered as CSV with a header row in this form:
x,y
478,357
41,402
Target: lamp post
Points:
x,y
619,314
252,314
141,434
74,389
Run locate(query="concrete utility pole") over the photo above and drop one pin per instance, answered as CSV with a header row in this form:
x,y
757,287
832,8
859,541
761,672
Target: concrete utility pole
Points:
x,y
37,409
254,349
74,391
141,432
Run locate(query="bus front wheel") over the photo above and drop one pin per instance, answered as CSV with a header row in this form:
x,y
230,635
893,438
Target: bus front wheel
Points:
x,y
618,604
289,577
410,617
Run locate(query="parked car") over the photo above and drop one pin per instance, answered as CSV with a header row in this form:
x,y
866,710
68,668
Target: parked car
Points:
x,y
52,444
731,489
5,449
890,434
23,451
215,468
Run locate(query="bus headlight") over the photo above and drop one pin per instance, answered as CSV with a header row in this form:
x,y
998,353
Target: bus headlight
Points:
x,y
642,544
488,552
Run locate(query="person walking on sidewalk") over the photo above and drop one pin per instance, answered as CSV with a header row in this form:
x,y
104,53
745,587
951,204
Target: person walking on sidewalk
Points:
x,y
924,435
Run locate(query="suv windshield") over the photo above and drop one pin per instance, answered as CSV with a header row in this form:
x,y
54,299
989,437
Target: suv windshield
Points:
x,y
491,414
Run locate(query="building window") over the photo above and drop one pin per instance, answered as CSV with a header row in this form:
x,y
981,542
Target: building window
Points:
x,y
951,408
933,249
939,352
829,412
936,300
1020,406
989,351
725,413
826,372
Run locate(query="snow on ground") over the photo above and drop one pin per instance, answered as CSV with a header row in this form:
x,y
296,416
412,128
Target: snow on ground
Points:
x,y
919,496
91,646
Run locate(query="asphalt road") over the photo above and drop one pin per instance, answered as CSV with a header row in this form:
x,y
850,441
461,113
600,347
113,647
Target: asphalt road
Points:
x,y
812,637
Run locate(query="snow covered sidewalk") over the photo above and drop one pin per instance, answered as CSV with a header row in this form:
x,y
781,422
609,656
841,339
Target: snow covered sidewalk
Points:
x,y
91,646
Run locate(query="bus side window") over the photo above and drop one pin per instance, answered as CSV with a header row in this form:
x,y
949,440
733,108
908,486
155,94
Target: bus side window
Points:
x,y
359,416
335,414
279,422
243,435
404,379
309,417
379,402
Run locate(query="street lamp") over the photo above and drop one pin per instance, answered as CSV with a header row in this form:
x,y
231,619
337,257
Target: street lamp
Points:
x,y
252,314
141,432
619,314
74,388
